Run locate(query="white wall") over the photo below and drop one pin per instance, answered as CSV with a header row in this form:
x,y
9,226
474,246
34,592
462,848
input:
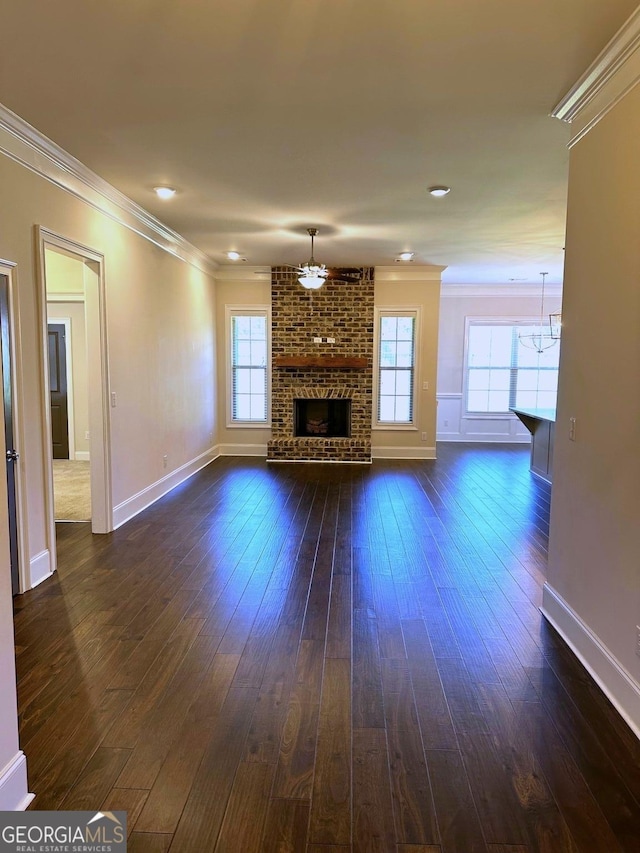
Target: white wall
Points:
x,y
414,286
13,769
457,304
160,319
65,282
593,592
237,286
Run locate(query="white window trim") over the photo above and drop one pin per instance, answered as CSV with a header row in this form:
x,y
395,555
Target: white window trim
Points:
x,y
486,321
397,311
250,311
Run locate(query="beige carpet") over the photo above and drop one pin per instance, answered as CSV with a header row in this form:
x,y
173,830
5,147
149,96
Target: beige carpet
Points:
x,y
72,490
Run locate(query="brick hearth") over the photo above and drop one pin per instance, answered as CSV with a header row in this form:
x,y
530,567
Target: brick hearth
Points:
x,y
340,310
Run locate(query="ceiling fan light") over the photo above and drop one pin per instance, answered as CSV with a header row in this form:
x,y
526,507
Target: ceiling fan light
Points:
x,y
313,274
311,282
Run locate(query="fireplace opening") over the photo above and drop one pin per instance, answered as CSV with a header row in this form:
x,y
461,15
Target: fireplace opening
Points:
x,y
322,418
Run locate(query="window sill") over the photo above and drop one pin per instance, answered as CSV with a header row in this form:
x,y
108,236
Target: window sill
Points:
x,y
248,424
405,427
490,416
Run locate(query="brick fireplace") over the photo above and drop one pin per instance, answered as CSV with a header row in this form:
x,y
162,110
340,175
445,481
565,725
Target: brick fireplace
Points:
x,y
306,370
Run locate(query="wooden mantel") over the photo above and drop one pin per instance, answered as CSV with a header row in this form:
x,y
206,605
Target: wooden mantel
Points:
x,y
321,361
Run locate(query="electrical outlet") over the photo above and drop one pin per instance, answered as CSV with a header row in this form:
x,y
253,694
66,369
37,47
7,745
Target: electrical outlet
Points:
x,y
164,461
425,386
331,340
86,435
572,429
424,436
317,340
446,423
638,640
114,400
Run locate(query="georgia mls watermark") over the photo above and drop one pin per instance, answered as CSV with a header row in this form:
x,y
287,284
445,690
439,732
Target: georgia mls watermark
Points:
x,y
63,832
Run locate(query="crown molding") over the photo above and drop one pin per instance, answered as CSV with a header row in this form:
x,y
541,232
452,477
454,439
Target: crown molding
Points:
x,y
614,72
242,272
25,145
410,272
504,291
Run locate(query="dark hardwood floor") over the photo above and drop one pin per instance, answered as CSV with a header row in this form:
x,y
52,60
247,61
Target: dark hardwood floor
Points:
x,y
321,659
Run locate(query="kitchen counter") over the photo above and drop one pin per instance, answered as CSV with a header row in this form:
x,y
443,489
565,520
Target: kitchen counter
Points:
x,y
541,424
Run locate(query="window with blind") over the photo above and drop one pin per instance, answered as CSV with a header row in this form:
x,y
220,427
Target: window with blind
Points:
x,y
502,373
249,360
396,367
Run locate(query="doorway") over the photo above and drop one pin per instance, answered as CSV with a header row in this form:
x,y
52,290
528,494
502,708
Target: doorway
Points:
x,y
58,390
11,454
76,301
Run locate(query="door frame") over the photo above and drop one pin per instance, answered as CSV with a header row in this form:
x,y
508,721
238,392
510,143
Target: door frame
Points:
x,y
71,426
98,379
9,268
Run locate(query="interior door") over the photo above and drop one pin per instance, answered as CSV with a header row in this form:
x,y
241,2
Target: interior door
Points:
x,y
11,455
58,389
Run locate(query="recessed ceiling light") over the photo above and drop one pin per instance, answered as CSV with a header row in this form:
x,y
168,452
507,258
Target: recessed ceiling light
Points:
x,y
233,256
438,192
164,192
405,256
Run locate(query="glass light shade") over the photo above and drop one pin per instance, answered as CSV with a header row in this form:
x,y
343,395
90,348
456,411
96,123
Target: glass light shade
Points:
x,y
313,275
311,282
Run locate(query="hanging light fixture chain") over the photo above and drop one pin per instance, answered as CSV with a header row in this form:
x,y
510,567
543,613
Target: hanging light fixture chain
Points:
x,y
540,340
544,276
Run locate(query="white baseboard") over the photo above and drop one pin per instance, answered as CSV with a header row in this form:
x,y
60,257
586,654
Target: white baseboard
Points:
x,y
381,452
39,568
617,684
14,790
82,456
126,510
243,449
481,438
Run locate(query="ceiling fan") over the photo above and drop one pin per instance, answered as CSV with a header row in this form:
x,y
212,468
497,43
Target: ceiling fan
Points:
x,y
313,275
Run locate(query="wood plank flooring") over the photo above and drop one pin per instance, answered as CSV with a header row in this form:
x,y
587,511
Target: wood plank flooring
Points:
x,y
322,659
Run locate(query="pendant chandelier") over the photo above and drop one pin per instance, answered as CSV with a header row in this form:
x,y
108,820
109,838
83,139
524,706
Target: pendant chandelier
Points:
x,y
547,335
312,274
555,322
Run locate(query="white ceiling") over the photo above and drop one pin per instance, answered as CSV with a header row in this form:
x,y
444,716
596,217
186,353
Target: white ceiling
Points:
x,y
271,116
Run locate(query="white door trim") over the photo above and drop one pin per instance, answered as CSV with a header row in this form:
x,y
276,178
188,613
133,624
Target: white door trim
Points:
x,y
9,269
98,375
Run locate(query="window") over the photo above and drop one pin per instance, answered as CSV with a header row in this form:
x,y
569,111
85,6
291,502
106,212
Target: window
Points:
x,y
249,380
396,367
502,372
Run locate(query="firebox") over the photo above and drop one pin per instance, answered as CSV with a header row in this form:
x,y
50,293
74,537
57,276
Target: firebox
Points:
x,y
319,418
